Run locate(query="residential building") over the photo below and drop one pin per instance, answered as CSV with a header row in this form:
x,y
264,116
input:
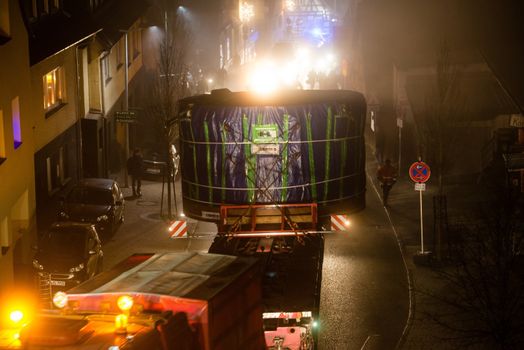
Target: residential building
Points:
x,y
17,135
78,74
63,78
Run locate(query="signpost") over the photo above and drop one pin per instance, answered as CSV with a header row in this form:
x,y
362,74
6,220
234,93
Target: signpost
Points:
x,y
125,116
420,172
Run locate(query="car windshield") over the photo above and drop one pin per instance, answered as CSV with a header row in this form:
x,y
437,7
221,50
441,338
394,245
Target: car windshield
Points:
x,y
88,195
65,241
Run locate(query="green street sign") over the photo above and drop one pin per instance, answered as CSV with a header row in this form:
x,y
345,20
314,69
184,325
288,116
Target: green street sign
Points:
x,y
125,116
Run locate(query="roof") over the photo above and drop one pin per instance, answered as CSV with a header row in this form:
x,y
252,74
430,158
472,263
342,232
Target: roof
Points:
x,y
70,224
97,182
190,275
58,31
289,97
481,95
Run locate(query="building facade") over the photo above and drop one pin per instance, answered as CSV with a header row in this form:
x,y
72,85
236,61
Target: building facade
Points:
x,y
65,73
17,135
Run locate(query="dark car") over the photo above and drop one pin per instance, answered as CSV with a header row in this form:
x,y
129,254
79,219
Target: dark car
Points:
x,y
97,201
67,254
155,165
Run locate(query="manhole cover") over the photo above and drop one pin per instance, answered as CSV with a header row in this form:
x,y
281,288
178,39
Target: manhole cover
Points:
x,y
146,203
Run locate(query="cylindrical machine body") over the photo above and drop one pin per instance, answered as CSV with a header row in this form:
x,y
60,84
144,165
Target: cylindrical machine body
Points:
x,y
298,147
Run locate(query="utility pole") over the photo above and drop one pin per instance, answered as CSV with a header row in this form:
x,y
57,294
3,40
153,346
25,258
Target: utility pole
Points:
x,y
126,105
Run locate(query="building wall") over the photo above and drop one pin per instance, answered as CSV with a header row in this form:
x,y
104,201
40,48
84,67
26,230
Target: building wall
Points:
x,y
17,194
114,87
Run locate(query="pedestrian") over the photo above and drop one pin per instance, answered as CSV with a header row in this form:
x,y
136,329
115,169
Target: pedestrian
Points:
x,y
135,167
387,175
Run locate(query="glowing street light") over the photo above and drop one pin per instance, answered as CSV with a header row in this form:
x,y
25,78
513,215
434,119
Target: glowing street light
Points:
x,y
290,5
246,12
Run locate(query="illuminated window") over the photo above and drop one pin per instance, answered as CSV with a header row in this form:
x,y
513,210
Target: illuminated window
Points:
x,y
17,127
54,89
2,138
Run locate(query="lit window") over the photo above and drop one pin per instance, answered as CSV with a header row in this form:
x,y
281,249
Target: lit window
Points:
x,y
17,127
54,88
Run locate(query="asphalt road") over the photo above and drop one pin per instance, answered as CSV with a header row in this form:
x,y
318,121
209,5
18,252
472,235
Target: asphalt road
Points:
x,y
364,296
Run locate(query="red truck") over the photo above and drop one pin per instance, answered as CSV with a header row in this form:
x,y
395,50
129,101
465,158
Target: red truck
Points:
x,y
163,301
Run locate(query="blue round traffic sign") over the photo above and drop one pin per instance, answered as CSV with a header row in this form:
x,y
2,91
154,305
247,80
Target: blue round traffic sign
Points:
x,y
419,172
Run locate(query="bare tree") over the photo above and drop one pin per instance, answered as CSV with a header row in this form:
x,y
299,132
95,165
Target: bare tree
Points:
x,y
168,84
438,131
482,303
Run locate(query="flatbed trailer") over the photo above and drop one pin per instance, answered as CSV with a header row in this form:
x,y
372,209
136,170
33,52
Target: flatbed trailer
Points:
x,y
284,238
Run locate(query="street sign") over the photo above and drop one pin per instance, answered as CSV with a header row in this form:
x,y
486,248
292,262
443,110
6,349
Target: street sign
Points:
x,y
125,116
420,186
419,172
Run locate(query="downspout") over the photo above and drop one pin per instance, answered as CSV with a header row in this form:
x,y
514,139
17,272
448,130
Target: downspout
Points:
x,y
79,146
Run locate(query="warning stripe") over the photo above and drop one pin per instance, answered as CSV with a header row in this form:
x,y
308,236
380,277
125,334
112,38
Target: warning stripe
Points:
x,y
338,222
178,229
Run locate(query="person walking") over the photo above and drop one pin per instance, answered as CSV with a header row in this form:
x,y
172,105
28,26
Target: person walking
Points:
x,y
135,167
387,175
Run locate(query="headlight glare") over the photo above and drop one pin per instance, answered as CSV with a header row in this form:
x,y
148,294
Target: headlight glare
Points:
x,y
64,215
37,265
77,268
102,218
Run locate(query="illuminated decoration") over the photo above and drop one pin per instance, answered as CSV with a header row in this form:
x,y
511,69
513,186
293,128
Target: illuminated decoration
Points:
x,y
60,300
125,303
290,5
246,12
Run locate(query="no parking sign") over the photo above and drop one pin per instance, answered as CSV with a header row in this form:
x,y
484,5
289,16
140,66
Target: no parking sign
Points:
x,y
419,172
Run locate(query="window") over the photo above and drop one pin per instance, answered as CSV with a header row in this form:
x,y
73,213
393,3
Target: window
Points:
x,y
4,236
54,89
106,73
17,128
5,29
56,170
2,138
120,53
136,42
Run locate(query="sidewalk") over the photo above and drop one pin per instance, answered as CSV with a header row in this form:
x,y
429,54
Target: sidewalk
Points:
x,y
404,215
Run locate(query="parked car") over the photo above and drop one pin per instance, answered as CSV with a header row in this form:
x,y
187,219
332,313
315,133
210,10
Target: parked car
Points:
x,y
68,254
97,201
155,164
